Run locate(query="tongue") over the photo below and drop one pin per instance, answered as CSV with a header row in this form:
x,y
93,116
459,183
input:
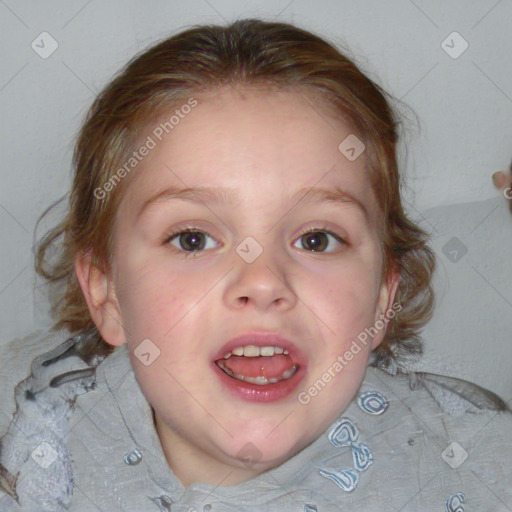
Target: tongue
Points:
x,y
267,366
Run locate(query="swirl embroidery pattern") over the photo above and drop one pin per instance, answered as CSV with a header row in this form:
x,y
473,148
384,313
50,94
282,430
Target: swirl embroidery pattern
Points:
x,y
372,402
345,433
455,502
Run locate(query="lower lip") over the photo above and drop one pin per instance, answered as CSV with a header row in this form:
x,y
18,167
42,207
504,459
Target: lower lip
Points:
x,y
257,393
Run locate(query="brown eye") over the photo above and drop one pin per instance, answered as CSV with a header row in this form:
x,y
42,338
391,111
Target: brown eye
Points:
x,y
319,241
190,241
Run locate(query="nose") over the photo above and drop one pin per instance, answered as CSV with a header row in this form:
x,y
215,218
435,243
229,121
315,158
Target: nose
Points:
x,y
262,284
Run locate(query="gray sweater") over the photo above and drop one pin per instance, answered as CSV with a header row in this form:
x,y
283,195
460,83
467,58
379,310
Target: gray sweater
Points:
x,y
83,439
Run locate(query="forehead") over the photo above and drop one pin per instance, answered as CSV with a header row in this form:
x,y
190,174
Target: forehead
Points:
x,y
263,145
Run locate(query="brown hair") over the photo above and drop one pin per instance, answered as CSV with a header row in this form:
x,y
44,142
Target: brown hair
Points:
x,y
248,53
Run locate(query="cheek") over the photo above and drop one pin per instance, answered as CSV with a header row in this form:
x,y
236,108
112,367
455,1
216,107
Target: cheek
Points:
x,y
153,296
344,301
346,292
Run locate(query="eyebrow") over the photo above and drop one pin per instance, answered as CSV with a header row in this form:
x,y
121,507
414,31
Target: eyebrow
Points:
x,y
231,197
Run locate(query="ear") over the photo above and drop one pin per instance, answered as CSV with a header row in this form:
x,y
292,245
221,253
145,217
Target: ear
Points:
x,y
387,294
99,292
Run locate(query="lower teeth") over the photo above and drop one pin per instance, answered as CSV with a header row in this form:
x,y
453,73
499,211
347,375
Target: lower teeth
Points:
x,y
260,380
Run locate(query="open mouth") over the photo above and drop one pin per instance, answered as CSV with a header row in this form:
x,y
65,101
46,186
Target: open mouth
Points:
x,y
258,365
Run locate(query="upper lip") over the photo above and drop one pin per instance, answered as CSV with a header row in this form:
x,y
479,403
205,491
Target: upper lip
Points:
x,y
262,339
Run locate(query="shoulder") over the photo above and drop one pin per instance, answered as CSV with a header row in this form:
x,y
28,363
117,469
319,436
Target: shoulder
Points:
x,y
440,454
16,357
69,441
38,429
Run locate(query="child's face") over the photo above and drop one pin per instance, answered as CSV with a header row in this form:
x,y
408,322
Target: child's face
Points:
x,y
260,149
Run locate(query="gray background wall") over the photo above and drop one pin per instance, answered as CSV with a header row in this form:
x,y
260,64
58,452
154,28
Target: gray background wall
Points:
x,y
464,104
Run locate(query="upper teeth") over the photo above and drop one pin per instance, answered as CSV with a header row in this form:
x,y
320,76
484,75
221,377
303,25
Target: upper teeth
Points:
x,y
253,351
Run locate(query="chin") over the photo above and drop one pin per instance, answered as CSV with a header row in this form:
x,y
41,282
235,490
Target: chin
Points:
x,y
262,449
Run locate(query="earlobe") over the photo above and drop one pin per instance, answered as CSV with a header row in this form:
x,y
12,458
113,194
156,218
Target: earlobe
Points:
x,y
386,297
99,293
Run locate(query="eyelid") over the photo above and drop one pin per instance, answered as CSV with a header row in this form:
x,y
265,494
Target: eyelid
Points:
x,y
173,234
184,228
322,226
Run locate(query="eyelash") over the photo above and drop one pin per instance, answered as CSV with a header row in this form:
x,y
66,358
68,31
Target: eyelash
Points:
x,y
191,254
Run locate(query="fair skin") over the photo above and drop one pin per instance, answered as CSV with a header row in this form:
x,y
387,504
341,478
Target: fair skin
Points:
x,y
264,146
503,182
